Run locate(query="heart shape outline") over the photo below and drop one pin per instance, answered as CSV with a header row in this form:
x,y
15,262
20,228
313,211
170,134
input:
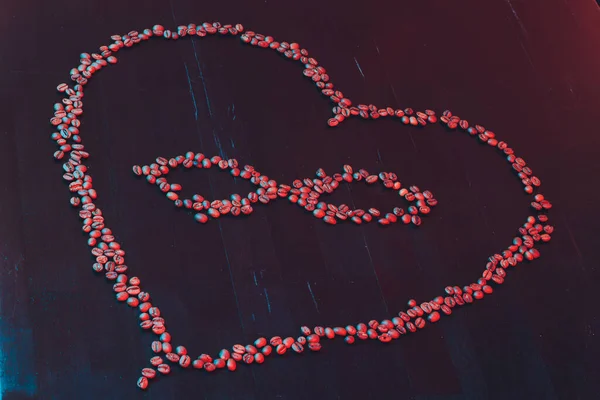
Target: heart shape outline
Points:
x,y
110,257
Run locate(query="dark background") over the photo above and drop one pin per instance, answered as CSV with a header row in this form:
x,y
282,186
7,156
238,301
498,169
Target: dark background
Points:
x,y
528,70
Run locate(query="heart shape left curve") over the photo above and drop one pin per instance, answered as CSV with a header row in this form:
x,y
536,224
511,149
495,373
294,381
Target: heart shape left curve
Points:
x,y
110,257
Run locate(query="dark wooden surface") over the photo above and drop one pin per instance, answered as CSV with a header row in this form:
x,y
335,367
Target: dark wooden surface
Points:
x,y
528,70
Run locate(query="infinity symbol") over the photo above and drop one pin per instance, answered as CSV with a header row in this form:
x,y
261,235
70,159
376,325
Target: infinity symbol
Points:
x,y
305,193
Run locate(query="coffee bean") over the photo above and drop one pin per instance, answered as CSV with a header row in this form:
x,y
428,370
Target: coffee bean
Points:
x,y
231,364
297,347
267,350
251,349
185,361
287,342
142,383
314,346
238,348
164,369
209,367
445,309
434,317
420,323
385,338
281,349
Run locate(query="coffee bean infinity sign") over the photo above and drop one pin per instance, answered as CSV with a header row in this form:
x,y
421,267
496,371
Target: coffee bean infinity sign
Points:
x,y
110,256
304,193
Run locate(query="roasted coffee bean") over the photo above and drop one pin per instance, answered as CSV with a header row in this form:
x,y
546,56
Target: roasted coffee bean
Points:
x,y
250,349
185,361
209,367
287,342
433,317
314,346
238,348
164,369
281,349
260,342
142,382
231,365
267,350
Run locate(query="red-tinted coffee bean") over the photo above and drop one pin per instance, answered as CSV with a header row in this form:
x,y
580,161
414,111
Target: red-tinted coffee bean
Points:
x,y
185,361
238,348
231,364
267,350
314,346
164,369
209,367
142,383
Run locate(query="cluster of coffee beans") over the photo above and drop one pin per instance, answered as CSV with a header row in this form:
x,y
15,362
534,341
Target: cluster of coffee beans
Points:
x,y
305,193
110,257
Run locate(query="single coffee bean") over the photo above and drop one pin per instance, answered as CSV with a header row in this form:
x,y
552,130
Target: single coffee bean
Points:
x,y
314,346
185,361
209,367
164,369
267,350
251,349
142,383
238,348
167,348
231,364
156,361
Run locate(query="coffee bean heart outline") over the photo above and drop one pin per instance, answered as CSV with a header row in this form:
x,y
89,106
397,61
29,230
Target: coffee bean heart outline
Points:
x,y
305,193
110,258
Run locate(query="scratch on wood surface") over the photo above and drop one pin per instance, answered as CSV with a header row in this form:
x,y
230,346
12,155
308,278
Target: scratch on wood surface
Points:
x,y
210,113
255,280
527,54
394,94
218,144
359,68
187,72
237,302
172,11
313,296
372,264
468,180
573,240
268,301
512,9
376,47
